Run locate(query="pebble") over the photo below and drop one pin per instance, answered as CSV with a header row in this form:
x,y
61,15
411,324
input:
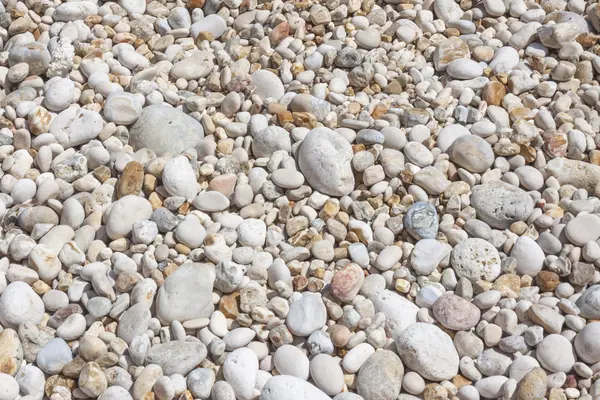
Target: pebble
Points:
x,y
500,204
476,259
20,304
229,200
240,369
456,313
324,159
548,349
290,360
327,374
421,221
284,387
427,350
306,315
165,129
186,294
380,377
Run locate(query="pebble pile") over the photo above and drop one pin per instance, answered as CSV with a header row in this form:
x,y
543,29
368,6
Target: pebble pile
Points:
x,y
299,199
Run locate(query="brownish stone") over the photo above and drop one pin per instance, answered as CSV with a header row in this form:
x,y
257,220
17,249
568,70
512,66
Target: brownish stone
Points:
x,y
347,281
460,381
304,120
279,33
195,3
224,184
509,285
102,173
229,306
547,281
131,180
493,93
299,283
11,352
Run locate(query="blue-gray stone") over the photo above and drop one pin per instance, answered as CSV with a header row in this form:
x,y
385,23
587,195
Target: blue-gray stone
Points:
x,y
421,221
369,137
54,356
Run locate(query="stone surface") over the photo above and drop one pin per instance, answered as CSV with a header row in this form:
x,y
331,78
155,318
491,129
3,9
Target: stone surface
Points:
x,y
427,350
186,293
324,159
164,129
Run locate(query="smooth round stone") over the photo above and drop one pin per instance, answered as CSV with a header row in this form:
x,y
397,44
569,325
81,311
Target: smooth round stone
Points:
x,y
240,369
399,312
346,282
20,304
34,54
134,322
165,129
324,159
530,178
268,85
447,10
115,393
413,383
133,6
213,24
388,257
500,204
472,153
9,387
186,294
269,140
529,255
380,377
456,313
197,65
287,178
190,232
505,59
327,374
306,314
427,350
464,68
421,221
494,8
587,343
589,303
124,213
123,108
555,353
211,201
449,134
534,385
428,295
476,259
252,232
54,356
177,357
199,382
285,387
369,38
583,228
59,94
491,387
179,178
290,360
76,126
427,255
521,367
